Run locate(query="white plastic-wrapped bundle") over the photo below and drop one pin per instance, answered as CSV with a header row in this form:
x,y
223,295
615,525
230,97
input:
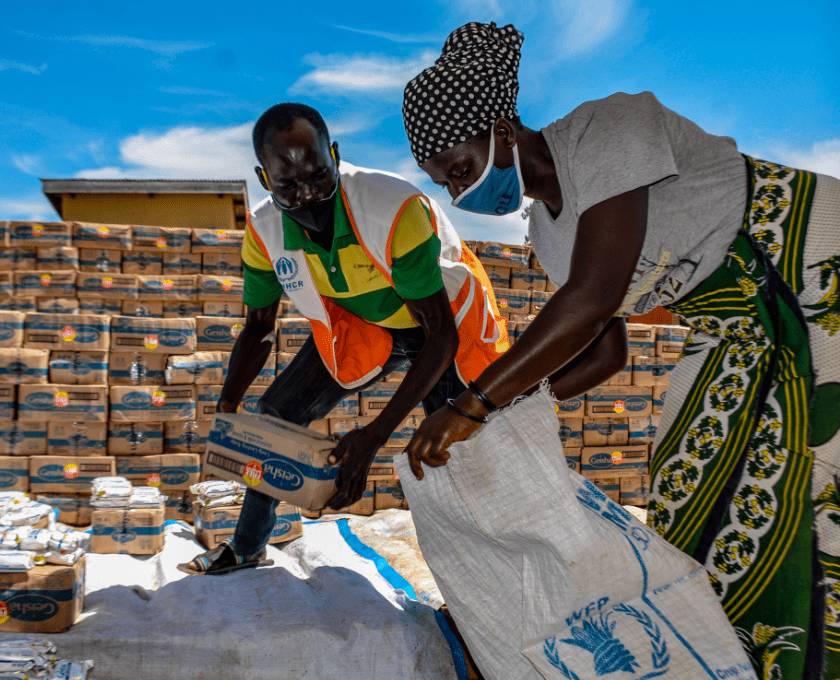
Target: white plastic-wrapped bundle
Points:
x,y
218,493
145,497
24,512
548,578
35,659
110,492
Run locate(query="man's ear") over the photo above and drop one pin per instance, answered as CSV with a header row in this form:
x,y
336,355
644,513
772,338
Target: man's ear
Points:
x,y
262,177
505,132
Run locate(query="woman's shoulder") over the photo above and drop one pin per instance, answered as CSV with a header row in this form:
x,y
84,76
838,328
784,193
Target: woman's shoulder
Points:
x,y
617,104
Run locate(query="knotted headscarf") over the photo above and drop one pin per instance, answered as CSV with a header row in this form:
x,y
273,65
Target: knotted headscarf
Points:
x,y
472,84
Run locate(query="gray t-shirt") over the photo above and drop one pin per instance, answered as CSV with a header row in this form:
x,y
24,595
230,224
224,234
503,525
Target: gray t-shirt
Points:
x,y
696,198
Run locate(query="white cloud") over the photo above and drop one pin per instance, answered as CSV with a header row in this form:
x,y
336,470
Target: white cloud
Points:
x,y
27,163
823,156
393,37
30,208
164,48
31,69
585,24
360,73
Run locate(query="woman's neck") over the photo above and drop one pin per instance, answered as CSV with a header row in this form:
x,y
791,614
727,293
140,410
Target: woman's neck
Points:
x,y
538,171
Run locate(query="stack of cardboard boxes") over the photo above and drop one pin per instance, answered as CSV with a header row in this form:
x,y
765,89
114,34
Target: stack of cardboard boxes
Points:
x,y
115,342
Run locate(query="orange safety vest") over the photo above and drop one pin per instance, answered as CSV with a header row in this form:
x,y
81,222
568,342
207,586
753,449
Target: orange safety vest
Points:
x,y
354,350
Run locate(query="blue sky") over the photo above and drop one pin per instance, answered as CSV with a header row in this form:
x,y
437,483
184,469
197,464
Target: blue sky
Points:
x,y
171,89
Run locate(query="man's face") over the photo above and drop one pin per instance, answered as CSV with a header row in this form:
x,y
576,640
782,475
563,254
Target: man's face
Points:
x,y
298,166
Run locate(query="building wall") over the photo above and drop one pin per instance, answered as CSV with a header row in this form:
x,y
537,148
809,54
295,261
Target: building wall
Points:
x,y
167,210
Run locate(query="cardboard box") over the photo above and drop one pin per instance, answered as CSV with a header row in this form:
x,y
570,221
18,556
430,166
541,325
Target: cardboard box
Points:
x,y
251,399
8,400
670,340
517,257
366,505
135,439
7,286
179,471
45,599
140,470
14,473
650,371
266,375
528,279
58,305
45,284
160,336
18,304
213,526
23,438
77,368
217,333
634,490
100,260
405,431
19,366
641,340
152,403
127,532
274,457
373,400
571,431
283,359
513,301
145,264
291,334
223,308
347,407
68,474
220,287
108,286
321,426
179,506
39,234
17,259
102,236
141,308
643,430
572,456
206,398
622,377
221,264
539,300
217,240
181,309
11,328
200,367
57,258
188,436
66,403
389,495
609,486
66,331
137,368
571,408
181,263
499,276
100,306
160,239
167,288
605,431
610,401
614,461
77,439
341,426
659,393
73,509
383,468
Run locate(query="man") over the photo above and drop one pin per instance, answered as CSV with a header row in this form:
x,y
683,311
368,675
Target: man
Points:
x,y
383,278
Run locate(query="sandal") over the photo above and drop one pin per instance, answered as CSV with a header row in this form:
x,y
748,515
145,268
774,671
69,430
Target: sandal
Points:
x,y
223,560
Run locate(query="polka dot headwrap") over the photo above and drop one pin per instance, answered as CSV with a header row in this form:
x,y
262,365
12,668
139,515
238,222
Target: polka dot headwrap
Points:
x,y
472,84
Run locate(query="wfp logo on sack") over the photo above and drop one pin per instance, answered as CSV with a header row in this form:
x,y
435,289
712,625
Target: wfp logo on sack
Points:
x,y
282,475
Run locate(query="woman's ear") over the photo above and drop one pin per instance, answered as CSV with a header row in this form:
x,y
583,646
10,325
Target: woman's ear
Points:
x,y
262,177
505,132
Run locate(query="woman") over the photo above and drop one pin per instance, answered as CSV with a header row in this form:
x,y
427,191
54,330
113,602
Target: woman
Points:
x,y
637,207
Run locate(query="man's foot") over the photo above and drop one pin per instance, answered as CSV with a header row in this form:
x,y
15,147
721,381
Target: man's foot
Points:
x,y
223,560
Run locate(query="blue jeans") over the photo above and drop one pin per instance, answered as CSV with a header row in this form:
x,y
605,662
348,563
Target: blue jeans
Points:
x,y
304,392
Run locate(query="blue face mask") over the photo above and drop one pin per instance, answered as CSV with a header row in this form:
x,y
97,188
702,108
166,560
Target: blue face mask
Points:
x,y
498,191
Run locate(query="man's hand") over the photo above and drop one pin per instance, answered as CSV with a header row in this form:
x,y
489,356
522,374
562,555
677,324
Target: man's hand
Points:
x,y
355,453
433,438
225,406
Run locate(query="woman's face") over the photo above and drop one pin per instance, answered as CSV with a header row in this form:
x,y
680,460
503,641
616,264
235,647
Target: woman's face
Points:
x,y
459,167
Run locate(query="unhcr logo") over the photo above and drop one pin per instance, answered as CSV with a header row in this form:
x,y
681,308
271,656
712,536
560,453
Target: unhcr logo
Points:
x,y
286,268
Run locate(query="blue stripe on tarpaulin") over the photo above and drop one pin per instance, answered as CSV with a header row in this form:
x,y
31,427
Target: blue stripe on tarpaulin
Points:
x,y
396,581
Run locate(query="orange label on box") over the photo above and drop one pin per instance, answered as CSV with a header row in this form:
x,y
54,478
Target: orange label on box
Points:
x,y
153,479
236,329
221,234
158,398
618,406
227,284
61,399
107,282
168,284
4,613
150,341
505,252
37,229
68,334
503,303
253,473
616,457
103,231
160,242
71,471
45,279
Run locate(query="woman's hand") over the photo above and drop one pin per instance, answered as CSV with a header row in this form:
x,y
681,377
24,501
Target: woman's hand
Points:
x,y
434,436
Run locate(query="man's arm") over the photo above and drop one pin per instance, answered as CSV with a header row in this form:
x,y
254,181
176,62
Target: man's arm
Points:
x,y
249,354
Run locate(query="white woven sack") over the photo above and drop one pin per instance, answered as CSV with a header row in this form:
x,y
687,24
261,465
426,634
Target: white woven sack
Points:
x,y
547,578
